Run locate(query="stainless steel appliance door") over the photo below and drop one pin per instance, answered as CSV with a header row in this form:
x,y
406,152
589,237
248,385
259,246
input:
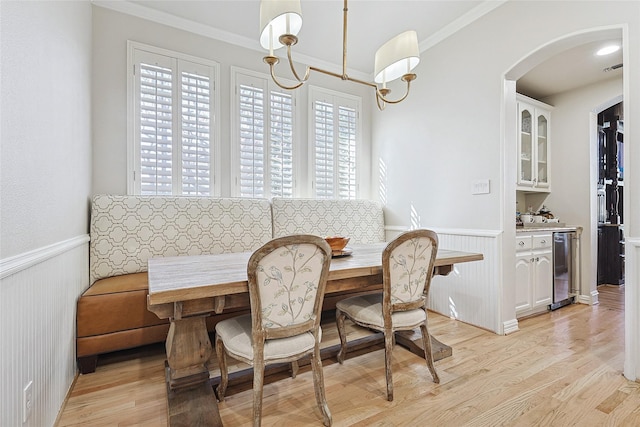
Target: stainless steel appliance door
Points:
x,y
563,265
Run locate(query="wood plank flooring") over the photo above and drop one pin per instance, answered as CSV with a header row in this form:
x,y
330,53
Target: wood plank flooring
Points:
x,y
562,368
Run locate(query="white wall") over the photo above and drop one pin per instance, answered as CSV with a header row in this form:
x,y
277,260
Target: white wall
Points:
x,y
573,170
45,180
450,131
112,29
45,123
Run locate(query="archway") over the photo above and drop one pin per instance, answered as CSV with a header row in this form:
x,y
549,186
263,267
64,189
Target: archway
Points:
x,y
589,251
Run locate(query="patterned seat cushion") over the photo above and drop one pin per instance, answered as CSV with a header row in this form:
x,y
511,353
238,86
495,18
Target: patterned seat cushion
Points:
x,y
360,220
128,230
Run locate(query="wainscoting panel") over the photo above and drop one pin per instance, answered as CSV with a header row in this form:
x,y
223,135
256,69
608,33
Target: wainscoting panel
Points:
x,y
38,293
472,292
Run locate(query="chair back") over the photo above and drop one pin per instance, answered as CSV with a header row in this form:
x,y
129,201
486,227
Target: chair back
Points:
x,y
287,280
407,264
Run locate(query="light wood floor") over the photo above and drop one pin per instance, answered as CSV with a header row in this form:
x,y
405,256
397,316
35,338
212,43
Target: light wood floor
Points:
x,y
562,368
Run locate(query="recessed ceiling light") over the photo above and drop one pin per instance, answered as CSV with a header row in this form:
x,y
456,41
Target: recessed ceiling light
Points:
x,y
608,49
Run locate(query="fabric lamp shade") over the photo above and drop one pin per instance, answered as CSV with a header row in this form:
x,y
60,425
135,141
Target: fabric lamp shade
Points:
x,y
278,17
397,57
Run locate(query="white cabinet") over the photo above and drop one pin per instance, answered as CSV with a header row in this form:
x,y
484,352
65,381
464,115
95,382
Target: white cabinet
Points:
x,y
534,120
534,274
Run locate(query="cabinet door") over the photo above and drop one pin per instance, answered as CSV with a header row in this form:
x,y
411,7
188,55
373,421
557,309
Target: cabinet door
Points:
x,y
525,145
542,279
524,275
541,174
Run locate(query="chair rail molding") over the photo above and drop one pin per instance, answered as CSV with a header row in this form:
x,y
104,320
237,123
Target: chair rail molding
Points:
x,y
17,263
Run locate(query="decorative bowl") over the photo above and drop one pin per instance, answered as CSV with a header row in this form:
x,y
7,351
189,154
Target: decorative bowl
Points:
x,y
337,243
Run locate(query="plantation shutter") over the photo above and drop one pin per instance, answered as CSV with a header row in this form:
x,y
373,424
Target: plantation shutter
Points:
x,y
173,113
281,144
324,149
251,141
266,127
196,134
346,153
335,137
156,137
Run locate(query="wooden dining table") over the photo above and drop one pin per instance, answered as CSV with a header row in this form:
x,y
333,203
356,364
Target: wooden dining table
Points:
x,y
187,289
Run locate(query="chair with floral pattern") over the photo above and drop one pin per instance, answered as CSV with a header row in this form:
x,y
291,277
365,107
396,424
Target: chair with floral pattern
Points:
x,y
287,279
407,268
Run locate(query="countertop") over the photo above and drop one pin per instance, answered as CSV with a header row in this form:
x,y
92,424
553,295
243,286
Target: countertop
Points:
x,y
548,227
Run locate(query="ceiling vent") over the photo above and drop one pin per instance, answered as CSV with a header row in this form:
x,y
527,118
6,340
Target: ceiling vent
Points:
x,y
613,67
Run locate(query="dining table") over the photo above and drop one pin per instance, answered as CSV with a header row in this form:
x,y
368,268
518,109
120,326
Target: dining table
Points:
x,y
188,289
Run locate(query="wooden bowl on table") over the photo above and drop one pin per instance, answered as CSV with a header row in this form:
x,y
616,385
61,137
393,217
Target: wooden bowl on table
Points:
x,y
337,243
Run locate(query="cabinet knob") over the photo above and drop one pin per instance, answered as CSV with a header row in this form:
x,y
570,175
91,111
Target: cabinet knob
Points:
x,y
542,242
521,243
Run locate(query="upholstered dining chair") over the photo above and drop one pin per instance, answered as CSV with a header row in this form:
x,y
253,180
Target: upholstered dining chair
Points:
x,y
407,268
287,279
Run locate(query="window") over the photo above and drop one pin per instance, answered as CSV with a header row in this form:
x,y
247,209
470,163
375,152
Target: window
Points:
x,y
335,132
174,123
263,135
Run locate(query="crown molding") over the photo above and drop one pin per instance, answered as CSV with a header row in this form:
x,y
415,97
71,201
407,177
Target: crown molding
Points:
x,y
164,18
455,26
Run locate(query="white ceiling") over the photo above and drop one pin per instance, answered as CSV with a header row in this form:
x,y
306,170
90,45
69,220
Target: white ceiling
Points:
x,y
572,69
370,24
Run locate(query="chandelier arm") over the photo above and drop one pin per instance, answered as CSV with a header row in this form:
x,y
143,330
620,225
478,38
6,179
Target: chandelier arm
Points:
x,y
293,70
275,80
362,82
397,101
329,73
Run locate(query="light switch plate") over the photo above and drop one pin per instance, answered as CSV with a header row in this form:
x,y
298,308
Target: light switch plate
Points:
x,y
481,186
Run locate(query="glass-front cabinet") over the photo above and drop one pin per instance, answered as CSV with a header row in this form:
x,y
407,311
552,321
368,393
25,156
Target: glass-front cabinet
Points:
x,y
533,145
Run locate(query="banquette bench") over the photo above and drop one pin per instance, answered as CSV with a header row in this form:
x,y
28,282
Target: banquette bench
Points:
x,y
126,231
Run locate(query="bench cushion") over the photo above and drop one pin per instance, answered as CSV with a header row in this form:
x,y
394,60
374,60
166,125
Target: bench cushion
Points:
x,y
360,220
128,230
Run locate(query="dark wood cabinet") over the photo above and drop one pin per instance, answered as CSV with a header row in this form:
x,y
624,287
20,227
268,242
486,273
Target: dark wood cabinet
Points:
x,y
610,254
610,192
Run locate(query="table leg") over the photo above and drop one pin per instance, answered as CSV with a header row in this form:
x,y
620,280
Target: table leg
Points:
x,y
188,350
190,397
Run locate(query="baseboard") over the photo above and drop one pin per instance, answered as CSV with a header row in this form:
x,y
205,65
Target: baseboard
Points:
x,y
591,299
510,326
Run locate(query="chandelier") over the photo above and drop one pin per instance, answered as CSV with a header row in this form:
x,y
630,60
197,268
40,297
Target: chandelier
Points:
x,y
281,21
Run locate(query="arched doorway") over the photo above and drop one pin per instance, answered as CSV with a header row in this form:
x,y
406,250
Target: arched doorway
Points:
x,y
589,247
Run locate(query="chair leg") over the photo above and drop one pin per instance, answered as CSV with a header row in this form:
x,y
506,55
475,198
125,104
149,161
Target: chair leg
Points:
x,y
318,385
340,316
388,350
294,369
428,353
258,382
224,371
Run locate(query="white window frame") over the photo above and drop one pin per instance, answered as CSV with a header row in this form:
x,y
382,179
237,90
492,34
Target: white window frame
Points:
x,y
337,99
238,75
136,50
